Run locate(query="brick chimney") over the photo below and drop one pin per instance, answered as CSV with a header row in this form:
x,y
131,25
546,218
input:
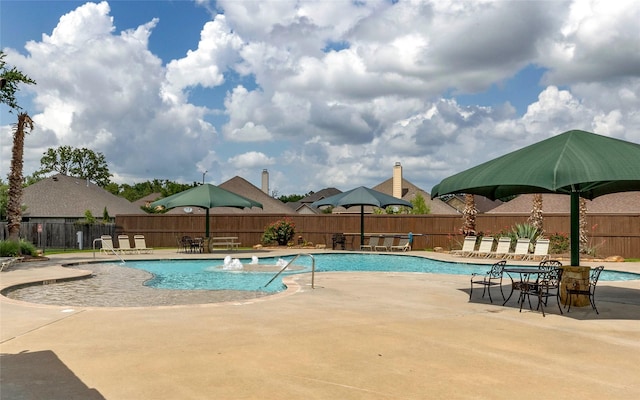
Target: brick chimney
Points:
x,y
265,181
397,180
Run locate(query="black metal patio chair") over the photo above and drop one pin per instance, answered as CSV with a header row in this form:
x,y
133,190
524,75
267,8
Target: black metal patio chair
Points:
x,y
491,278
547,284
590,291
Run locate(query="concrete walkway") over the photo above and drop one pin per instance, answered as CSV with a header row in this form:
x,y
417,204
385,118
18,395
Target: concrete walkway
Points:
x,y
356,336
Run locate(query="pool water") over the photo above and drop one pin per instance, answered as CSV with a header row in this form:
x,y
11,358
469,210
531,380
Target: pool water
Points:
x,y
212,275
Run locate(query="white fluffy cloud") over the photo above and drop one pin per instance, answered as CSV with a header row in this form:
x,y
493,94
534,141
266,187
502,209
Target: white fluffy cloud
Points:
x,y
340,90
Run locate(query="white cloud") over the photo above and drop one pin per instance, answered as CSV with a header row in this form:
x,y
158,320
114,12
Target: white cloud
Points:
x,y
251,159
339,90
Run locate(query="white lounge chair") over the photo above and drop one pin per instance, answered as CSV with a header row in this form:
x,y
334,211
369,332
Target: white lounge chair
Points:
x,y
107,244
373,242
468,246
522,249
502,248
386,244
403,245
541,250
486,245
9,261
124,244
141,245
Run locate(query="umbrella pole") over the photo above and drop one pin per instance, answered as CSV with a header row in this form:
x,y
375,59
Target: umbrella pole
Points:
x,y
361,224
575,229
206,224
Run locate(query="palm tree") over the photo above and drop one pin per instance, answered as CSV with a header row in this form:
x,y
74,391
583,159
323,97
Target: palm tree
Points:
x,y
469,215
583,225
10,78
536,218
14,206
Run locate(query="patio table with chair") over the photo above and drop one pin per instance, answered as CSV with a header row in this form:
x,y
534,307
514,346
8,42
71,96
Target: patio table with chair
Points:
x,y
521,279
541,282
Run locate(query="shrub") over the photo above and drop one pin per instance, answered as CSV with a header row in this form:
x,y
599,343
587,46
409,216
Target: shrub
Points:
x,y
558,243
10,248
281,231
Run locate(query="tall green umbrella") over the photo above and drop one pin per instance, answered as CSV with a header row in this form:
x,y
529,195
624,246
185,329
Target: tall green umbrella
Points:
x,y
578,163
205,196
361,196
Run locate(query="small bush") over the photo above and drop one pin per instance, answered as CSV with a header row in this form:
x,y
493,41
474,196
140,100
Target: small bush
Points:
x,y
558,243
10,248
281,231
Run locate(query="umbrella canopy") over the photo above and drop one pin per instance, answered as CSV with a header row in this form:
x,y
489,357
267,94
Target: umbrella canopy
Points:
x,y
578,163
361,196
205,196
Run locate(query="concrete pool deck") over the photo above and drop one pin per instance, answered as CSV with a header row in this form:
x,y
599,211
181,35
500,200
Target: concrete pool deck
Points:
x,y
356,336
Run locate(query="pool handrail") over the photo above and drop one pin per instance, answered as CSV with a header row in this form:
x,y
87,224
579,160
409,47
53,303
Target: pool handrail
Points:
x,y
313,269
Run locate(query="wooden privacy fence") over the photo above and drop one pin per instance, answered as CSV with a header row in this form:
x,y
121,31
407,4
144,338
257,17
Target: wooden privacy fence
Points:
x,y
60,235
610,234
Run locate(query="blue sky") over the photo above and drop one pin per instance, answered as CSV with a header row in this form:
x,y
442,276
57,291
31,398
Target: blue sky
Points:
x,y
320,93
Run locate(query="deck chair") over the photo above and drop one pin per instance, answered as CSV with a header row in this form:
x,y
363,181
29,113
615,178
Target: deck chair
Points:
x,y
541,250
141,245
502,248
373,242
468,246
386,244
522,249
124,244
107,244
403,245
486,245
7,262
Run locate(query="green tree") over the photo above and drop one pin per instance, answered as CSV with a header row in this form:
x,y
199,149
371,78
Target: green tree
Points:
x,y
81,163
4,197
292,198
420,206
11,78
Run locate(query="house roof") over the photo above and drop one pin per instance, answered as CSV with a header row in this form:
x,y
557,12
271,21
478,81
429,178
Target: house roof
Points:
x,y
482,203
242,187
409,192
236,185
64,196
615,203
322,194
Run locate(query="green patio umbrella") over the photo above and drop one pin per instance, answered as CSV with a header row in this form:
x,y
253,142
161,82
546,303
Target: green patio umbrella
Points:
x,y
577,163
205,196
361,196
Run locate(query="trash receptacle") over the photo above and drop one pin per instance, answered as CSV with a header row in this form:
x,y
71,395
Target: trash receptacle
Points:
x,y
79,239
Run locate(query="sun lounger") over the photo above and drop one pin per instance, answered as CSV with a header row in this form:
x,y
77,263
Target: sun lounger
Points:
x,y
9,261
141,245
541,250
502,248
124,244
522,249
468,246
403,245
386,244
486,245
373,242
107,244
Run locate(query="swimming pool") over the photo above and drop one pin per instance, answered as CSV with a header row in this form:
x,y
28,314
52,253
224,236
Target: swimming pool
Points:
x,y
254,274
